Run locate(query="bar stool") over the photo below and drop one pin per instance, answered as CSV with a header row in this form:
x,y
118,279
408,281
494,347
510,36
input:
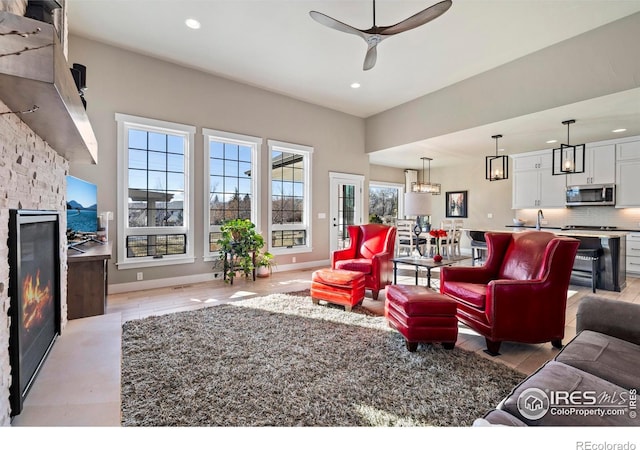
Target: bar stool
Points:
x,y
593,255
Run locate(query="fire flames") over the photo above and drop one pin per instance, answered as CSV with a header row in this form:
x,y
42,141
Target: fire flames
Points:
x,y
34,300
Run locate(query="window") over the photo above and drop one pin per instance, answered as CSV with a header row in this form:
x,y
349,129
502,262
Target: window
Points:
x,y
155,201
385,200
232,176
290,206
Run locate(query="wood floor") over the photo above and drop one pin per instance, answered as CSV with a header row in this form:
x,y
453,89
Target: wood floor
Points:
x,y
79,383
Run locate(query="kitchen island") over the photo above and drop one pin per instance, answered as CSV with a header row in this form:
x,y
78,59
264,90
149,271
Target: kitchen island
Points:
x,y
610,246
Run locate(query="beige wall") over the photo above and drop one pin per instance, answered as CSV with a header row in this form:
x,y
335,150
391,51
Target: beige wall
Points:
x,y
386,174
507,91
120,81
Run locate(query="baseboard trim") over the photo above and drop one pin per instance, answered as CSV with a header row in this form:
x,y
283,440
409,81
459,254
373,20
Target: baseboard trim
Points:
x,y
200,278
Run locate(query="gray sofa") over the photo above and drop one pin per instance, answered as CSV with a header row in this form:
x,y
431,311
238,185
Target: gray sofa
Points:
x,y
593,381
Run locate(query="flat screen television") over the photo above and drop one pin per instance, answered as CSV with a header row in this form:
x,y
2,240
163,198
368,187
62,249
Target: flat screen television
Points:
x,y
82,206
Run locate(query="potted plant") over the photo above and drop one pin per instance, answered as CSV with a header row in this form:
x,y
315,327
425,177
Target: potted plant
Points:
x,y
239,246
265,263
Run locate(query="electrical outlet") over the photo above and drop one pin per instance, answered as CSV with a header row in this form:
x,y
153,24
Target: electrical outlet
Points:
x,y
544,222
490,216
293,259
139,276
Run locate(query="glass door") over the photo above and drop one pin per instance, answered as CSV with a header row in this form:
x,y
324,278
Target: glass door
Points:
x,y
345,205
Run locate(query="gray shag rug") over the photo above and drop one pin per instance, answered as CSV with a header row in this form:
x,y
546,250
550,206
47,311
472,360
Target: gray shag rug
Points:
x,y
282,361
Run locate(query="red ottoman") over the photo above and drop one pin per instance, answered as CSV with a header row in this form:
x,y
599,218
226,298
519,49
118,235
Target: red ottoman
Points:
x,y
421,315
342,287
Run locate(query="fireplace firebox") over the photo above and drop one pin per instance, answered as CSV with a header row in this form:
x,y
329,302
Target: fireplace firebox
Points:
x,y
34,288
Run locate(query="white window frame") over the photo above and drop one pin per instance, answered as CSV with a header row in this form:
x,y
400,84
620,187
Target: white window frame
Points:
x,y
385,184
255,143
306,153
125,123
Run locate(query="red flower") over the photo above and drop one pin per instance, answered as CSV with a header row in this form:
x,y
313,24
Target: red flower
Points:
x,y
438,233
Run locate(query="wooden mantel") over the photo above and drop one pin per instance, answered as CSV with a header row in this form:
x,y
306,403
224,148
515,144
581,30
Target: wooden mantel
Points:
x,y
41,78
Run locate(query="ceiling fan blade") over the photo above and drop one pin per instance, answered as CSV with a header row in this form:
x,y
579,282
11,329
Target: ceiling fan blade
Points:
x,y
424,16
335,24
371,57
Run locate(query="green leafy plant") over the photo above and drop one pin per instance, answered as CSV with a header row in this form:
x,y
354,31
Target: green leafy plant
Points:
x,y
239,246
266,259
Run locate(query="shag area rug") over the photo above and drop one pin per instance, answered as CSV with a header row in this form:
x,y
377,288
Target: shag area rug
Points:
x,y
280,360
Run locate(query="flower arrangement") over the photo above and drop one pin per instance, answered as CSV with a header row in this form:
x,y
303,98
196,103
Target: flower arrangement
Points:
x,y
437,234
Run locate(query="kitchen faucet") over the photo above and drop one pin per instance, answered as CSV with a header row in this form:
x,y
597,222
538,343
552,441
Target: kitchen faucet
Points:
x,y
540,216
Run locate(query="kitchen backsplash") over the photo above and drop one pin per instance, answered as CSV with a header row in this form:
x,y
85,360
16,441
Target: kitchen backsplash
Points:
x,y
623,218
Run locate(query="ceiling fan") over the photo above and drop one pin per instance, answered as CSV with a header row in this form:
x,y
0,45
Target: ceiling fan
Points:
x,y
374,35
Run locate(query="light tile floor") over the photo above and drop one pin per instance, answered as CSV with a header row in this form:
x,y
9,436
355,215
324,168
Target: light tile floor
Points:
x,y
79,384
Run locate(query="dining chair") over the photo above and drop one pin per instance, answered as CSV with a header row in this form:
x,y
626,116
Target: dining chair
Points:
x,y
446,242
458,225
406,238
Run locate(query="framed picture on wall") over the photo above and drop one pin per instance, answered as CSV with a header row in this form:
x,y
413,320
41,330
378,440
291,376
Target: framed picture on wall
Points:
x,y
456,204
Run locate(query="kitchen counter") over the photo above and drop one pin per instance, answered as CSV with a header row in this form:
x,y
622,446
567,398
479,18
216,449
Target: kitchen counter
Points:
x,y
572,232
611,245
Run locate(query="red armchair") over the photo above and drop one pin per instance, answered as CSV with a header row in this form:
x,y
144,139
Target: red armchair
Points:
x,y
520,293
370,252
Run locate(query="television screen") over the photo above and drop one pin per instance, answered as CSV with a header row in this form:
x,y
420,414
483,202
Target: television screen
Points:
x,y
82,206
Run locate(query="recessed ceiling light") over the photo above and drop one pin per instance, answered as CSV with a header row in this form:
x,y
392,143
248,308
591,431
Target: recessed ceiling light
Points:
x,y
192,23
552,141
355,85
618,130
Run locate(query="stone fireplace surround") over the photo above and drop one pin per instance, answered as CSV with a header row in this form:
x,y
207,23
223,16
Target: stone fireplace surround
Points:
x,y
32,176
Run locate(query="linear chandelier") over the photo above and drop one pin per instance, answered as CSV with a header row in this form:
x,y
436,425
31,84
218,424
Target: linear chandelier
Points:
x,y
568,158
496,167
428,187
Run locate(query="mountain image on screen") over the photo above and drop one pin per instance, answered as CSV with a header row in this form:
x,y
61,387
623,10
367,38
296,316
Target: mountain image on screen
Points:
x,y
82,208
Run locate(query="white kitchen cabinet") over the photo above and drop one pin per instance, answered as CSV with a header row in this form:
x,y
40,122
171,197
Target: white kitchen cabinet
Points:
x,y
633,253
532,161
599,166
533,184
627,178
628,150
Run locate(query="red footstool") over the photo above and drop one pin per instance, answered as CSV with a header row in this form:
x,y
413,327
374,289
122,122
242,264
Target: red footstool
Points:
x,y
342,287
421,315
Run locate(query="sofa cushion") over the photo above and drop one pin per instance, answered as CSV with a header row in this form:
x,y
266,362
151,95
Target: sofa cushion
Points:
x,y
604,356
470,293
498,417
357,265
556,379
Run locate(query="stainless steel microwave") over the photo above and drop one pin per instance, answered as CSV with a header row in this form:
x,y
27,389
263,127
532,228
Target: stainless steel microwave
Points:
x,y
591,195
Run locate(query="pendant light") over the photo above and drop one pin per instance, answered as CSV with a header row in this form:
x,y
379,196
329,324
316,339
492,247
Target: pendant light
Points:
x,y
496,167
568,158
430,188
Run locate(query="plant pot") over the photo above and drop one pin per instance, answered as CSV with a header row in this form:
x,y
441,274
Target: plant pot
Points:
x,y
437,258
263,272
